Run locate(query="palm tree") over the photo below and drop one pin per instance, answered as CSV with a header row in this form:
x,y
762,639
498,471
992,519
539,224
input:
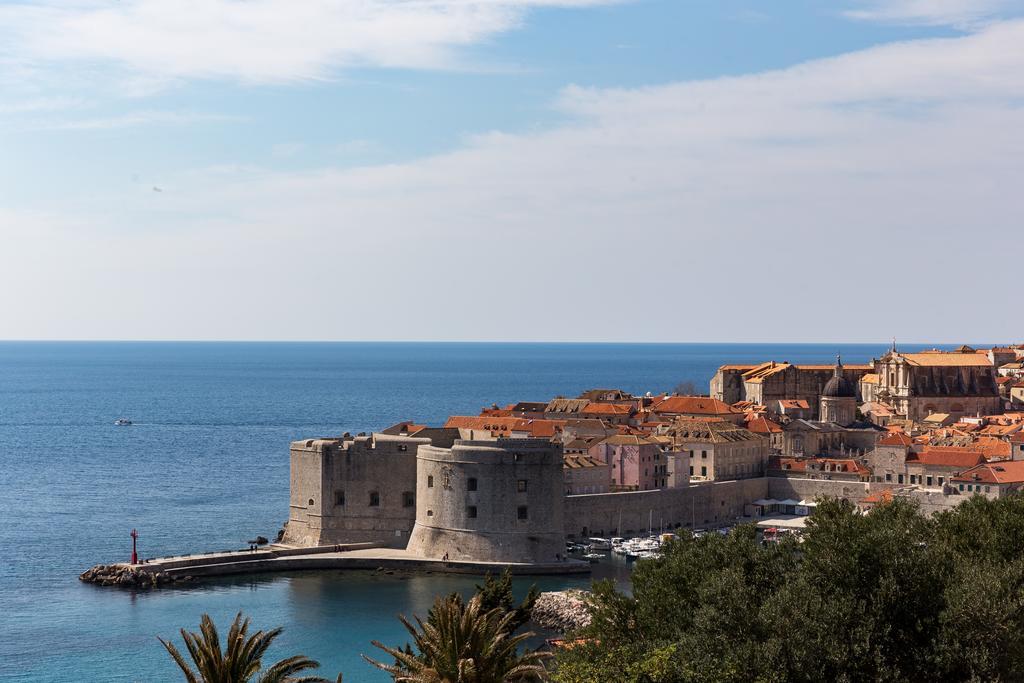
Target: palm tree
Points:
x,y
243,658
463,643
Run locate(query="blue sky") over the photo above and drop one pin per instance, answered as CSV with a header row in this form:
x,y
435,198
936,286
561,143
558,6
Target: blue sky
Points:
x,y
509,169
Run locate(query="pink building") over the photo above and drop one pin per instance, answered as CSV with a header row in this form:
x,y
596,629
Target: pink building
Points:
x,y
636,463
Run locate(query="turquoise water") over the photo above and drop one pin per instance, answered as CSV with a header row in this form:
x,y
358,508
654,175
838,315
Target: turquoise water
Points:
x,y
206,467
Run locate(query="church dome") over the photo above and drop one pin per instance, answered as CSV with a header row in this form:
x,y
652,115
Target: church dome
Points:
x,y
839,387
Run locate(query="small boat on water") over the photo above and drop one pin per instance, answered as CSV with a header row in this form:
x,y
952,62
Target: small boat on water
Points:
x,y
123,422
594,557
600,543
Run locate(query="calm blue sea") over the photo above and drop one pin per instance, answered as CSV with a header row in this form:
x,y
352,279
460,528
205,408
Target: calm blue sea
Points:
x,y
206,467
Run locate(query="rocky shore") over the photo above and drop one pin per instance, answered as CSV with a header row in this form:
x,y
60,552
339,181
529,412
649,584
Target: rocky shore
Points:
x,y
562,611
128,577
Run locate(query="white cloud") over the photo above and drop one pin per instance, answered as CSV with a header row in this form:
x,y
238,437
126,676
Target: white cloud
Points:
x,y
962,13
851,198
134,119
255,40
41,104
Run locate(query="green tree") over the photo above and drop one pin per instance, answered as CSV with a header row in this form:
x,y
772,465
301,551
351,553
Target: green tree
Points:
x,y
463,643
892,595
241,661
497,594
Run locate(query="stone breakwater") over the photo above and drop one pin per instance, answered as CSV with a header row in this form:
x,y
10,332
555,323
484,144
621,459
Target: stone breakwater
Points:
x,y
128,576
562,611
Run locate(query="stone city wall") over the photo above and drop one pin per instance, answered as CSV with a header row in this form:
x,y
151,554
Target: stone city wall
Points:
x,y
696,506
783,488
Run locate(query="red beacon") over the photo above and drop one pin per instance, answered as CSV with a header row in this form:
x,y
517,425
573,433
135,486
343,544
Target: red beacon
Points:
x,y
135,555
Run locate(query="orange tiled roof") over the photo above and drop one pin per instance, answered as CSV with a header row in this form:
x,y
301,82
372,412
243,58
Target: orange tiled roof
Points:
x,y
947,457
882,497
763,425
504,426
1007,472
693,405
895,439
608,409
992,447
795,403
1000,430
936,358
779,462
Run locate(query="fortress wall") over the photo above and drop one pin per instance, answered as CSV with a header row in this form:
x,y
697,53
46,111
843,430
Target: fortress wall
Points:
x,y
695,506
343,479
306,490
496,501
782,488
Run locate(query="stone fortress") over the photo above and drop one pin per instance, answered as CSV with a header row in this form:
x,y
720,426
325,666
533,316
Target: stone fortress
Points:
x,y
496,500
493,488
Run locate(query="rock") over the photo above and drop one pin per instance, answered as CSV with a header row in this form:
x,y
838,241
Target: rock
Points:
x,y
562,611
126,576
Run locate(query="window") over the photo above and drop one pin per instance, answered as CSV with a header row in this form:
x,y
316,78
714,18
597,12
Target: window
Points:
x,y
521,513
691,470
703,454
311,501
408,499
374,499
888,476
703,471
430,513
403,447
471,511
471,484
521,485
987,488
339,497
940,481
430,481
961,487
899,479
928,480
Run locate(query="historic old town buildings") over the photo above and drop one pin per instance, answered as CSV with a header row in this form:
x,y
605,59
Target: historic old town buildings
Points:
x,y
932,425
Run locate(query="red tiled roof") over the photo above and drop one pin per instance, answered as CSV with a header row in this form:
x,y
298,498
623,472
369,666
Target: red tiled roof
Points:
x,y
778,462
693,405
1000,430
991,447
763,425
503,426
1007,472
795,403
947,457
882,497
895,439
608,409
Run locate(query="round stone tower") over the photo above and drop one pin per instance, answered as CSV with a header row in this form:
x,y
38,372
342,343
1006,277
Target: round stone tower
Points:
x,y
838,399
490,501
